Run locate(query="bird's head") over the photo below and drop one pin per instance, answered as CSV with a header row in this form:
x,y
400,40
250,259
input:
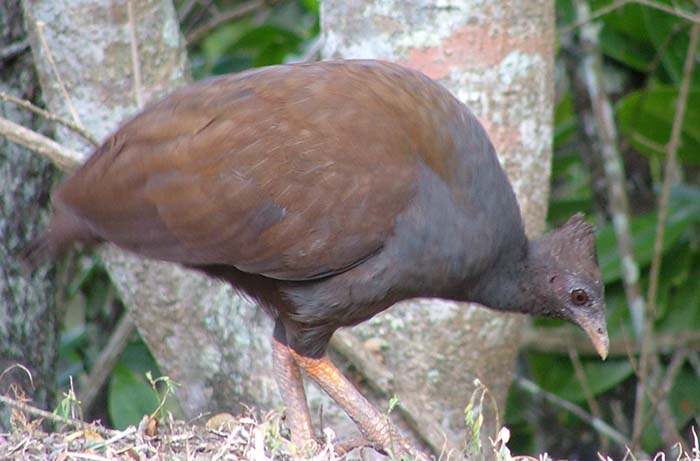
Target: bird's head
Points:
x,y
568,269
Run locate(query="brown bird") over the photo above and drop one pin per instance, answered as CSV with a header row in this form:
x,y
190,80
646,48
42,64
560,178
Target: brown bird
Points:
x,y
327,192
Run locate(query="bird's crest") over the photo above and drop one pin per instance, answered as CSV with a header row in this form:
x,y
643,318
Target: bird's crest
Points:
x,y
573,245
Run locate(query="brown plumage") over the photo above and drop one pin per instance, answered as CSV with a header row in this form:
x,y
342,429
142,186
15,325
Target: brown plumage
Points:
x,y
327,192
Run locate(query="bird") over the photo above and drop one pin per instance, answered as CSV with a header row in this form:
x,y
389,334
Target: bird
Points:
x,y
327,192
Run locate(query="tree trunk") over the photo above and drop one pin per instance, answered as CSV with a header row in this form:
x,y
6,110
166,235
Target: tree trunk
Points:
x,y
499,60
27,304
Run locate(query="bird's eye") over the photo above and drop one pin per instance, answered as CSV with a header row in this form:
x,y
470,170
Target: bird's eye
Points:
x,y
579,297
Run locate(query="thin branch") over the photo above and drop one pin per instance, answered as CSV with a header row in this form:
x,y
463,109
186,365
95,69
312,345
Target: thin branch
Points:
x,y
670,434
641,139
694,18
590,398
647,354
49,116
90,386
658,402
63,157
185,10
694,360
28,409
57,76
7,371
381,381
240,11
597,424
135,60
311,53
556,340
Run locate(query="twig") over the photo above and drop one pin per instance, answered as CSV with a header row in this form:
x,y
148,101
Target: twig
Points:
x,y
63,157
647,354
13,49
649,143
694,360
311,53
597,424
21,367
694,18
49,116
57,76
590,398
242,10
185,10
658,407
381,381
556,340
670,434
108,357
135,60
25,408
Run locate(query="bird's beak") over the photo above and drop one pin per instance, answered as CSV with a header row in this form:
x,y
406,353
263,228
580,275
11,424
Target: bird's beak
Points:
x,y
596,328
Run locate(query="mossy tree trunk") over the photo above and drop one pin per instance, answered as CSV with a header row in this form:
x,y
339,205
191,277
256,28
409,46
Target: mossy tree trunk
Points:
x,y
27,302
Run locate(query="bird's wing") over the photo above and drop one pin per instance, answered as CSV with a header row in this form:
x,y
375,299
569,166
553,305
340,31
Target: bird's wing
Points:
x,y
287,175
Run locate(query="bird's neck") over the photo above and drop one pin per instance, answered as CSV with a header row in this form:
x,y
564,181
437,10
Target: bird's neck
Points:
x,y
513,284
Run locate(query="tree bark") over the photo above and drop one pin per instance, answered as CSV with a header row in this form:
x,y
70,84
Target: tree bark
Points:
x,y
499,60
27,304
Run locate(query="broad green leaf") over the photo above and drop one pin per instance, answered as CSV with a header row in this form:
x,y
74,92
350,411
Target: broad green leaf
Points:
x,y
644,233
551,372
648,115
670,39
556,374
627,20
627,50
684,397
139,358
600,376
565,11
130,397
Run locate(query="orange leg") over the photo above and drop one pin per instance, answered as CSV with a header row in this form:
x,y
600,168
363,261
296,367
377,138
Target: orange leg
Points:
x,y
292,389
375,426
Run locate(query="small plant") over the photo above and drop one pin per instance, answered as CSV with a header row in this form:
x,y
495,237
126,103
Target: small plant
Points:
x,y
69,406
393,402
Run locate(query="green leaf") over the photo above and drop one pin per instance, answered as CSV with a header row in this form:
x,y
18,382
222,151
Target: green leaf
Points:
x,y
600,376
669,39
627,20
625,49
643,229
684,397
393,402
130,397
648,115
556,374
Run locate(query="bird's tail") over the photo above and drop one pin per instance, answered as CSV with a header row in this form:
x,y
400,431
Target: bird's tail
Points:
x,y
35,253
64,229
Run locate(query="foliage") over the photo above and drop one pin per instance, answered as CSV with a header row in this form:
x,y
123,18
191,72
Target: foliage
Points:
x,y
644,52
283,33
